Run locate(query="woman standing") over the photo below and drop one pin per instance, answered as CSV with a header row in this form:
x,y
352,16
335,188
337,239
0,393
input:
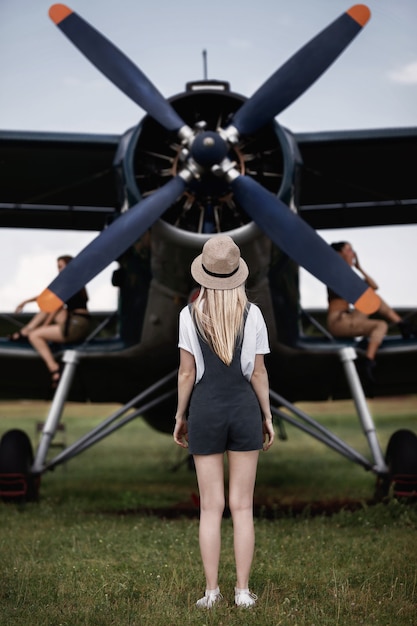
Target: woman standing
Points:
x,y
223,382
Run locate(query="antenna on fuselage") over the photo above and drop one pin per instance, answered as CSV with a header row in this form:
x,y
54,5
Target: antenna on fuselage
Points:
x,y
205,64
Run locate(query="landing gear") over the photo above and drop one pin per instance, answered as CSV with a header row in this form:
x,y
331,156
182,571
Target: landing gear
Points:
x,y
401,459
17,483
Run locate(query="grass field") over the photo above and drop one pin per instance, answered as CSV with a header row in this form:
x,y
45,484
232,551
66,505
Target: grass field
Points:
x,y
101,547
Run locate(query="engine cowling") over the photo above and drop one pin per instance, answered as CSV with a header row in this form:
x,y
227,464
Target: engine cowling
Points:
x,y
151,156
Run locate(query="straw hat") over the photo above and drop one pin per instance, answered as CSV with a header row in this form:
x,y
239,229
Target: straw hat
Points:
x,y
220,265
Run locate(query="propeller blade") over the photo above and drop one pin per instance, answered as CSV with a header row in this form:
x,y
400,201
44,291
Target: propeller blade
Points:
x,y
301,242
300,71
115,65
109,245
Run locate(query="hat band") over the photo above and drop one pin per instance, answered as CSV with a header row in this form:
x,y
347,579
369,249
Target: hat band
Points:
x,y
219,275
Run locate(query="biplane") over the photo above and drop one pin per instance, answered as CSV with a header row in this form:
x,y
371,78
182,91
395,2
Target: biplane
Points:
x,y
207,161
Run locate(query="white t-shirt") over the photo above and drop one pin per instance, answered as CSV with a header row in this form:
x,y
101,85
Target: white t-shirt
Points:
x,y
255,340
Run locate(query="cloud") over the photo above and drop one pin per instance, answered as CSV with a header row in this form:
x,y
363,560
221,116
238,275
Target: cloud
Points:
x,y
406,75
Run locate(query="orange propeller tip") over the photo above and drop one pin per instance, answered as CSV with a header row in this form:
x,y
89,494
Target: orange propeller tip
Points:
x,y
360,13
369,302
59,12
49,302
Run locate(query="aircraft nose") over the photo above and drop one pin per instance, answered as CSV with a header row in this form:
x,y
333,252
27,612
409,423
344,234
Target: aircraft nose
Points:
x,y
208,148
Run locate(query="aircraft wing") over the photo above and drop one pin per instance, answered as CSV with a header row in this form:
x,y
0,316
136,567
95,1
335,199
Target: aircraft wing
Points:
x,y
57,180
358,178
348,178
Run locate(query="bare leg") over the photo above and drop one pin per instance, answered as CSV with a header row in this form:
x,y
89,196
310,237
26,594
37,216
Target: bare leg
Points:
x,y
356,324
210,476
36,321
242,476
371,350
39,339
389,314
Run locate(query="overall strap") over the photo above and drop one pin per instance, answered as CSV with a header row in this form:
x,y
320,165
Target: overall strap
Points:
x,y
239,339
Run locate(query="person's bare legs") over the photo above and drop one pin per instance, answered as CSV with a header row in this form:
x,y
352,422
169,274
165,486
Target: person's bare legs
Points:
x,y
39,339
210,477
371,350
375,338
388,313
242,476
356,324
36,321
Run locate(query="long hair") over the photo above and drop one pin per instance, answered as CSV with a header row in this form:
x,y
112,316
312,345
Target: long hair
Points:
x,y
67,258
338,245
218,316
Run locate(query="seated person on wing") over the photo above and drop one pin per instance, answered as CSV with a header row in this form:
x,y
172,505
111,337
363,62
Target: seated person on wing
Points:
x,y
71,323
342,321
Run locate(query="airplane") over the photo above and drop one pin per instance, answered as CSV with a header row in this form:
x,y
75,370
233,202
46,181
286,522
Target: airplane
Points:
x,y
203,162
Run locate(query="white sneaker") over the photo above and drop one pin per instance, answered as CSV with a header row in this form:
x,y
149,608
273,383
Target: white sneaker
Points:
x,y
245,598
210,598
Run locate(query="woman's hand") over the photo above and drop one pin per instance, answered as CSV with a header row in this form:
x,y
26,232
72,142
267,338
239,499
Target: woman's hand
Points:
x,y
269,434
356,262
181,432
20,307
370,281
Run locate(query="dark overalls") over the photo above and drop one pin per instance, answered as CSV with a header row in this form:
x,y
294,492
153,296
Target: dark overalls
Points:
x,y
224,412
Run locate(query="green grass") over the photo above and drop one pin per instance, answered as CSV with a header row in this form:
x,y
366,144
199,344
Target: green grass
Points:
x,y
61,566
84,555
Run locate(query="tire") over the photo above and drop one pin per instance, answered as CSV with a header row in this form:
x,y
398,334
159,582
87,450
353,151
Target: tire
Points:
x,y
401,458
17,483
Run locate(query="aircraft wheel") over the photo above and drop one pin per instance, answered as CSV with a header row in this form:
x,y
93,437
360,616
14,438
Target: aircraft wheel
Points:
x,y
382,488
401,458
17,484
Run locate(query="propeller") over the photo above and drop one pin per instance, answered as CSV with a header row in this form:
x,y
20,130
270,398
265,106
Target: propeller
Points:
x,y
301,242
205,151
300,71
116,66
109,245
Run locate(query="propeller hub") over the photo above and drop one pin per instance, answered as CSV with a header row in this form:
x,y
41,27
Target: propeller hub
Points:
x,y
208,148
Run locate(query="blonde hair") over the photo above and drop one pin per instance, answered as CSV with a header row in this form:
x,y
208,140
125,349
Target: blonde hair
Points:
x,y
218,316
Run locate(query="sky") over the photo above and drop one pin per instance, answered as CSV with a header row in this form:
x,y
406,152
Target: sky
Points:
x,y
47,85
